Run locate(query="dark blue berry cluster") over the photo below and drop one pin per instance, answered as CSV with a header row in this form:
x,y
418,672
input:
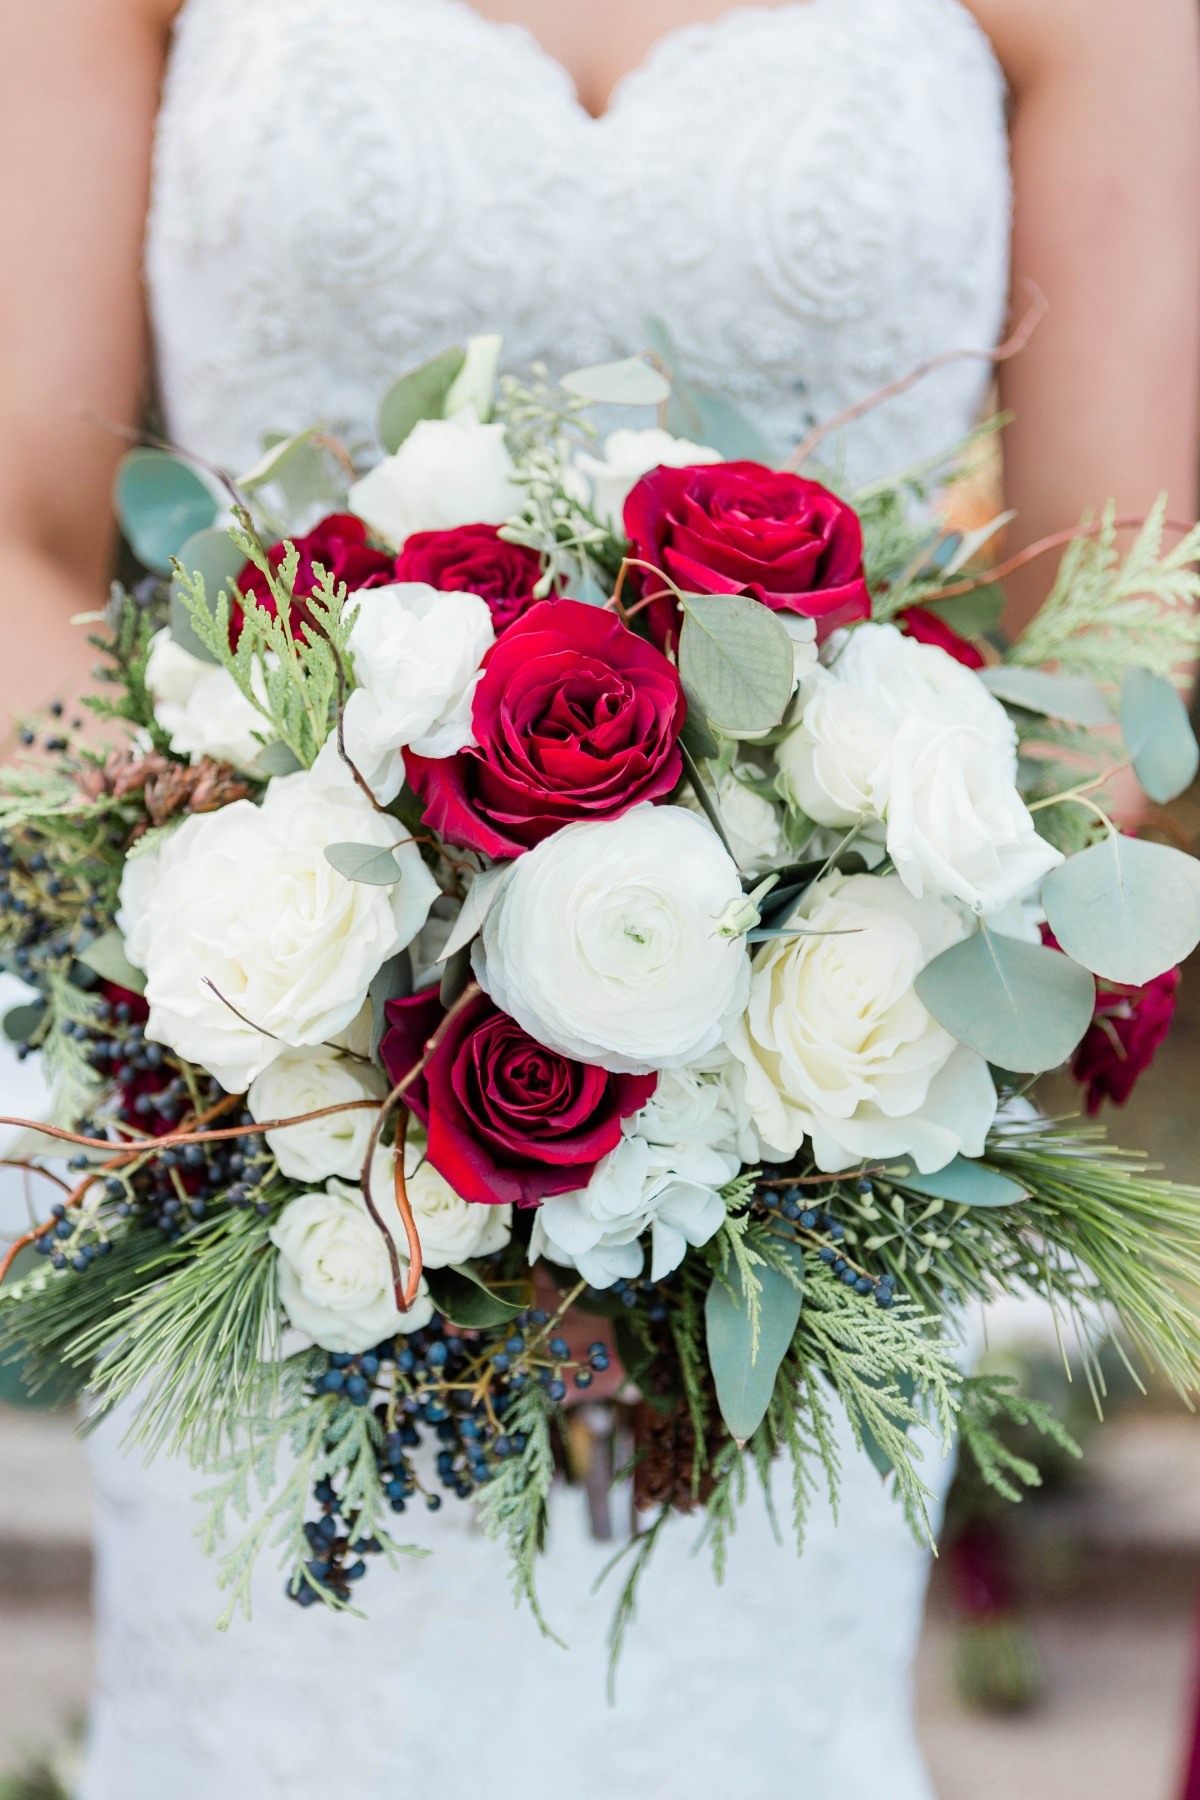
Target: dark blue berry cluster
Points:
x,y
792,1204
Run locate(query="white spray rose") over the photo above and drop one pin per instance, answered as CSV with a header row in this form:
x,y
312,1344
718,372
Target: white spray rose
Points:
x,y
447,472
201,707
602,943
838,1048
416,661
628,455
451,1230
245,899
752,824
307,1080
335,1276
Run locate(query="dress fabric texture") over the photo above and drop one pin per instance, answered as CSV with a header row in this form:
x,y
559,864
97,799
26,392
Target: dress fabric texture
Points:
x,y
815,199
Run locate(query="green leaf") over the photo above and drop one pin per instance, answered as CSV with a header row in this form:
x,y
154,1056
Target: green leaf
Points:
x,y
696,736
1158,734
20,1022
736,658
1072,698
421,394
466,1300
456,974
744,1381
968,1182
1125,909
1021,1006
475,909
394,981
702,417
161,502
363,862
630,382
971,615
106,954
278,758
213,555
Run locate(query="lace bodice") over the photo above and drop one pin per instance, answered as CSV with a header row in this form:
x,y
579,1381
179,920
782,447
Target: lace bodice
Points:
x,y
813,196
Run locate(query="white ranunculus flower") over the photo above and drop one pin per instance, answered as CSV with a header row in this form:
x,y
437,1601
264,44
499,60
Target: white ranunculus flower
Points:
x,y
245,899
306,1080
602,941
416,661
628,455
838,1048
955,822
335,1276
753,825
447,472
201,707
452,1230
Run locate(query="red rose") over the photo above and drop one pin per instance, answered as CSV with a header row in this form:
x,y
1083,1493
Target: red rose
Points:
x,y
1128,1025
575,717
509,1121
339,544
918,622
474,559
741,528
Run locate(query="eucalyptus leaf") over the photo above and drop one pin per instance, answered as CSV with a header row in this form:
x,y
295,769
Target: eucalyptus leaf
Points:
x,y
277,758
704,418
466,1301
1019,1005
455,976
394,981
630,382
745,1381
585,588
475,383
106,955
272,464
476,906
1072,698
971,615
965,1181
696,735
968,542
1158,734
363,862
161,502
1126,909
20,1022
421,394
213,555
736,657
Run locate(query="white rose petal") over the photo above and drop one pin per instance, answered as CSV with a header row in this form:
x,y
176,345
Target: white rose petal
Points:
x,y
416,661
335,1277
451,1230
245,899
752,824
602,943
201,707
828,760
307,1080
628,455
836,1045
447,472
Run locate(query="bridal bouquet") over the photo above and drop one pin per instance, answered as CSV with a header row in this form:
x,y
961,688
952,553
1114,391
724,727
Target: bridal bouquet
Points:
x,y
551,902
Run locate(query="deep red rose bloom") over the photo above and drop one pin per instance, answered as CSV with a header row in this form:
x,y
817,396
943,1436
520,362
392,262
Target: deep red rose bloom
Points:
x,y
575,717
339,544
1128,1025
509,1121
918,622
474,559
741,528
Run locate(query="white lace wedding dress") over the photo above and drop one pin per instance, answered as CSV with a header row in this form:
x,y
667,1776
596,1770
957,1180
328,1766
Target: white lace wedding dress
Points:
x,y
815,198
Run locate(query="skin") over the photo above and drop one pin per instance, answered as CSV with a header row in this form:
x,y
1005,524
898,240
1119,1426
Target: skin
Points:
x,y
1106,150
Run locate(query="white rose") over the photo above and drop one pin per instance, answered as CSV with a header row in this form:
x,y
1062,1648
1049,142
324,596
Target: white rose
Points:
x,y
752,824
902,678
837,1046
307,1080
416,661
602,944
628,455
245,899
828,760
451,1230
335,1276
447,472
955,822
201,707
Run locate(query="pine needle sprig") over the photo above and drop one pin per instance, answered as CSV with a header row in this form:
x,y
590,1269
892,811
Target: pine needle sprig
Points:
x,y
514,1504
641,1547
984,1398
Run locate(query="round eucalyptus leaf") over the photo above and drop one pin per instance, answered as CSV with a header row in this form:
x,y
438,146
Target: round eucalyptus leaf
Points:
x,y
1125,909
20,1022
630,382
1021,1006
106,955
1072,698
161,502
1158,734
421,394
363,862
213,555
965,1181
277,758
736,658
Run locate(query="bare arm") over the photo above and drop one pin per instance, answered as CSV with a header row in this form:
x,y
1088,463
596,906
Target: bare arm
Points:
x,y
1106,165
81,93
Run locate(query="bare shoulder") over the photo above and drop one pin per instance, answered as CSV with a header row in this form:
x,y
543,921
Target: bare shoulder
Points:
x,y
1036,39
